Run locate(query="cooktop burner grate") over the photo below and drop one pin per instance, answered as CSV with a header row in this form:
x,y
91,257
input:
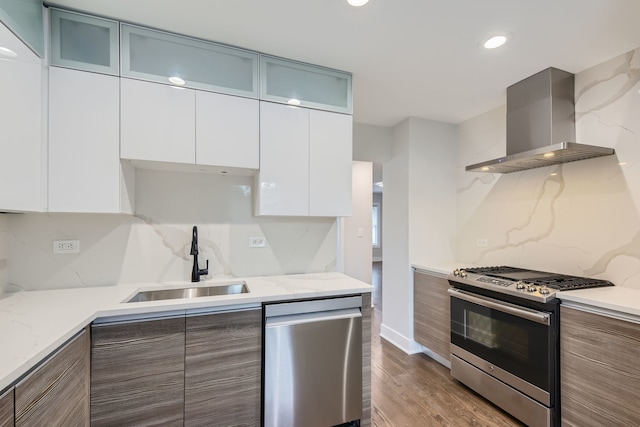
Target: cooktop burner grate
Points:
x,y
559,282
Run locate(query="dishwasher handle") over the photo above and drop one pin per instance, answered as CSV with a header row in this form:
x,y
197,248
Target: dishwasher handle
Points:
x,y
296,319
312,306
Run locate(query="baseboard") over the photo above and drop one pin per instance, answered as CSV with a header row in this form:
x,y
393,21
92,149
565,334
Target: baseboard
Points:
x,y
376,259
441,360
405,344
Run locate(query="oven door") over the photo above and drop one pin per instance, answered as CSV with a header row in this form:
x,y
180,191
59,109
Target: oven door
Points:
x,y
511,343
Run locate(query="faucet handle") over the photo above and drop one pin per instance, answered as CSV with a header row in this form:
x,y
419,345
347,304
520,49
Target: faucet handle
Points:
x,y
204,271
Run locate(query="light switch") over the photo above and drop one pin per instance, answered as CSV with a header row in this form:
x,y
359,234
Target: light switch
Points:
x,y
360,232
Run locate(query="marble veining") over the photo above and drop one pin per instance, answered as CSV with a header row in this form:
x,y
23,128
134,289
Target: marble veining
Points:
x,y
525,232
631,249
580,218
154,244
627,69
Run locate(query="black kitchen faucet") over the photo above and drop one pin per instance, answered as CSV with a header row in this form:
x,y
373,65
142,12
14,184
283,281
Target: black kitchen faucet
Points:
x,y
196,272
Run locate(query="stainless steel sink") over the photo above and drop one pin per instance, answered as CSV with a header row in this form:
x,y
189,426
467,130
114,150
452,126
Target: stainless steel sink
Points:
x,y
193,292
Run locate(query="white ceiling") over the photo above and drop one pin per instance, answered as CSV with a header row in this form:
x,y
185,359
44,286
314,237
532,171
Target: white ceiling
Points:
x,y
419,58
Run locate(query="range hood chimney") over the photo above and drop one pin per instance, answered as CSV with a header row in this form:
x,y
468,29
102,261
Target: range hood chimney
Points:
x,y
541,125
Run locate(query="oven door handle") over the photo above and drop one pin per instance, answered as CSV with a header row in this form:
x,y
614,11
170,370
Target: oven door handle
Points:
x,y
525,313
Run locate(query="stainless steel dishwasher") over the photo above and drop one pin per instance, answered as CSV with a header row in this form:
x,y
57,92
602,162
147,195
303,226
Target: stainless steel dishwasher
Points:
x,y
313,363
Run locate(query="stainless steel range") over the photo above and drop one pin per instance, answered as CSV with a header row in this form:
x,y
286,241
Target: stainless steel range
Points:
x,y
505,343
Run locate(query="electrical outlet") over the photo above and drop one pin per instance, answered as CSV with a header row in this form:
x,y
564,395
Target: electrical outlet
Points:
x,y
66,246
483,243
257,242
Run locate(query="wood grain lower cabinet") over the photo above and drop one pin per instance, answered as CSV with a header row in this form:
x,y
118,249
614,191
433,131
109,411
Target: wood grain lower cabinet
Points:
x,y
431,313
600,375
223,369
57,392
7,418
137,373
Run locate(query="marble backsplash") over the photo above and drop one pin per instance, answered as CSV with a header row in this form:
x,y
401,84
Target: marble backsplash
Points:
x,y
153,245
579,218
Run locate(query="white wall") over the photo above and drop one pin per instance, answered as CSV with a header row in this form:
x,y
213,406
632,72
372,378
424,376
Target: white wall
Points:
x,y
357,228
4,251
396,276
432,192
371,143
580,218
419,211
154,244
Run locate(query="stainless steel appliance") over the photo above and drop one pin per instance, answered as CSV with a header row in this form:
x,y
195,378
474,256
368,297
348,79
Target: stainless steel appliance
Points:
x,y
541,125
313,363
505,330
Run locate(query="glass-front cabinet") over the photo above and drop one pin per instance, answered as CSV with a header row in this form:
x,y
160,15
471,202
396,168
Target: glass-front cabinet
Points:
x,y
24,18
295,83
171,59
84,42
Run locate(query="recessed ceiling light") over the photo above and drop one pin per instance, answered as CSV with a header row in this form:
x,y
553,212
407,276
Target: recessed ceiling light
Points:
x,y
293,101
622,163
495,41
177,81
357,3
5,51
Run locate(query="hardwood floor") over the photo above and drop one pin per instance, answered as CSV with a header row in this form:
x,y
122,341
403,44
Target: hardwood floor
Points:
x,y
376,281
417,391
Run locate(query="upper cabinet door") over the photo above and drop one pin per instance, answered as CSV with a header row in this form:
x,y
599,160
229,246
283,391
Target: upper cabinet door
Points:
x,y
84,42
84,142
227,131
283,181
306,85
21,144
158,56
330,163
24,18
157,122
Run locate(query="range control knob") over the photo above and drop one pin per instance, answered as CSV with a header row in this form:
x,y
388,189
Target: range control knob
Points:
x,y
463,273
532,289
520,285
456,272
544,291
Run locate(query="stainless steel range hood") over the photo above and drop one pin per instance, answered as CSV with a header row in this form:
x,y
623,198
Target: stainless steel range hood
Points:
x,y
541,125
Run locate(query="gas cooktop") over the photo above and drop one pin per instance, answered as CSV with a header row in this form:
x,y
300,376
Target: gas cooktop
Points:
x,y
530,284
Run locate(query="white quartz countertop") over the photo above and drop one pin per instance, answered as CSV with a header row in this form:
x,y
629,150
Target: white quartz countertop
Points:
x,y
438,270
34,324
616,301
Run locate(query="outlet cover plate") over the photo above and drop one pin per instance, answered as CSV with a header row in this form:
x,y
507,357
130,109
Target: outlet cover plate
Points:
x,y
66,246
257,242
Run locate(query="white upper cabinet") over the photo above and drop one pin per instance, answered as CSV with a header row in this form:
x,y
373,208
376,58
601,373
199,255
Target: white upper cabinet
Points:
x,y
84,42
161,123
22,161
227,131
84,135
295,83
157,56
283,181
157,122
330,163
305,162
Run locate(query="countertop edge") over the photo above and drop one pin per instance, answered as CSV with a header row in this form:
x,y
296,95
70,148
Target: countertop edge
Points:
x,y
43,342
614,301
